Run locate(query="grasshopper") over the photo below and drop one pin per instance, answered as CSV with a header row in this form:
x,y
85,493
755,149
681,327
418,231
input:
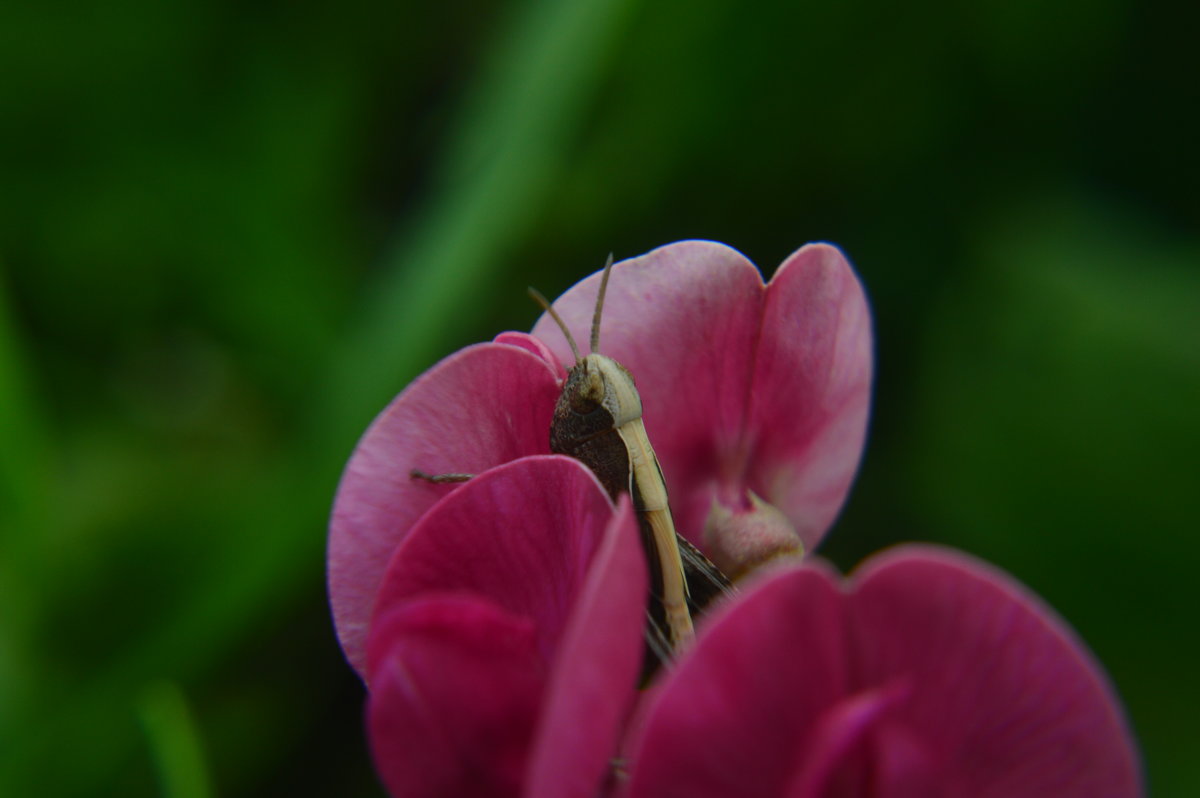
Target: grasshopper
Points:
x,y
598,421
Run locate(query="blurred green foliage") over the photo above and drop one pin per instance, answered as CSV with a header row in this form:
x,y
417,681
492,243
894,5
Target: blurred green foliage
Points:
x,y
229,233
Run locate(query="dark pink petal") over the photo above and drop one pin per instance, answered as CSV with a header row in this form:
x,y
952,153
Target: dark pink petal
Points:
x,y
522,535
683,319
936,676
812,389
1004,693
537,543
599,659
857,752
456,689
482,406
736,716
903,766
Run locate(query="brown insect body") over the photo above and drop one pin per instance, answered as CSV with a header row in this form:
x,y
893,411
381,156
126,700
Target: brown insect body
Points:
x,y
586,422
598,421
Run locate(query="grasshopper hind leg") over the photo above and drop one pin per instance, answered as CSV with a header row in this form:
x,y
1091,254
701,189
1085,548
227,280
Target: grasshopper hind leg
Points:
x,y
658,650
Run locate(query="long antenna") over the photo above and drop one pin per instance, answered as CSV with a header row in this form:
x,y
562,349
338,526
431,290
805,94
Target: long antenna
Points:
x,y
541,300
600,304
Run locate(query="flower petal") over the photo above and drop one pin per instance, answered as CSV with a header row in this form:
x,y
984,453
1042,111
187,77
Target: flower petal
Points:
x,y
683,319
537,543
456,689
521,535
535,346
812,389
838,762
448,420
745,387
935,675
1002,691
736,714
591,687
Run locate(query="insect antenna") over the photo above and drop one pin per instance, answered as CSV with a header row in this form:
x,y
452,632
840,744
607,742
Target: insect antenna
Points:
x,y
600,304
541,300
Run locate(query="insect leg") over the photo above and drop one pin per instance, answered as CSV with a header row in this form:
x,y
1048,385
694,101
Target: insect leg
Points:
x,y
439,479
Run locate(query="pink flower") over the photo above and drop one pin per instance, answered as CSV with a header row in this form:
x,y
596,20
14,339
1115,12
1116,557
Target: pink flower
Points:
x,y
504,654
498,623
755,398
927,674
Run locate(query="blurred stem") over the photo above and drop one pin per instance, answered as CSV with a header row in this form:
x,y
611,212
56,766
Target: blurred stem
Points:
x,y
507,149
22,437
174,743
23,463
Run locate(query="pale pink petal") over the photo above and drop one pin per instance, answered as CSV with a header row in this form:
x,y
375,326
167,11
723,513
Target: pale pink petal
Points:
x,y
482,406
591,688
683,319
812,389
534,346
736,715
456,689
1003,692
744,387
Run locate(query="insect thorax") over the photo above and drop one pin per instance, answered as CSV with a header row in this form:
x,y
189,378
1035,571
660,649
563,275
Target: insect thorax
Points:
x,y
598,397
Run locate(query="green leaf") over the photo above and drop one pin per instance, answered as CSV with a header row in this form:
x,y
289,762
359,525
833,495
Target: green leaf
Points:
x,y
174,742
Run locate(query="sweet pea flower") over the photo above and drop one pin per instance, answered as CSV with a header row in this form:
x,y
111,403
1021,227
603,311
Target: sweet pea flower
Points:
x,y
754,396
498,623
927,674
504,653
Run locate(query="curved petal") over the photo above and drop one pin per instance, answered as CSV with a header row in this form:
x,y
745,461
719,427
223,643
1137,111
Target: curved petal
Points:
x,y
521,535
450,419
456,688
591,687
1007,697
745,387
808,408
561,579
838,761
933,675
737,713
535,346
683,319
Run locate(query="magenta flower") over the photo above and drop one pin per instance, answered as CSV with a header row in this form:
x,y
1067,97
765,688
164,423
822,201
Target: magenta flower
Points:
x,y
503,661
498,623
755,398
928,674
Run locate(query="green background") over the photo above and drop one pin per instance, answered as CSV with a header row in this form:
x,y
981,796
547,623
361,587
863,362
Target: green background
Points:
x,y
230,232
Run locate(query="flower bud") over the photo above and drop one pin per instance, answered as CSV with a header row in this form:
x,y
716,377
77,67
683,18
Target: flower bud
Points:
x,y
742,539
